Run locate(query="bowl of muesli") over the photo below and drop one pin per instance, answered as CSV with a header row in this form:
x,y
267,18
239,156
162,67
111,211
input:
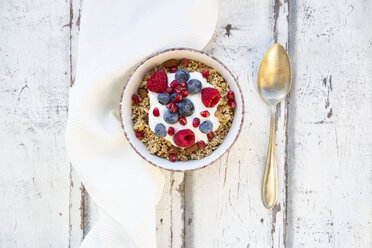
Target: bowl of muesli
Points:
x,y
181,109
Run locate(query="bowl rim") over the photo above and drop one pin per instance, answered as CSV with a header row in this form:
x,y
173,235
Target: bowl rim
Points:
x,y
181,49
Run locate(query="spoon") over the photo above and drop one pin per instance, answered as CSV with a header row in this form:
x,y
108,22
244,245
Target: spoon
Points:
x,y
274,82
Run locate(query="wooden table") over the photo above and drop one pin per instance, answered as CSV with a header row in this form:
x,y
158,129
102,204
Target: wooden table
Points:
x,y
324,132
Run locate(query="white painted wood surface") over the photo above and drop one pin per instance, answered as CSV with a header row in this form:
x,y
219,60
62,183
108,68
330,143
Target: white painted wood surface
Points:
x,y
324,132
225,199
34,84
330,127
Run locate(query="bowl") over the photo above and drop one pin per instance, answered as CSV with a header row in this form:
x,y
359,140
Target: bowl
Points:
x,y
131,88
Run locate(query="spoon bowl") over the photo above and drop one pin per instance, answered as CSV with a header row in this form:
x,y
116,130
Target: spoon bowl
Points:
x,y
274,82
275,75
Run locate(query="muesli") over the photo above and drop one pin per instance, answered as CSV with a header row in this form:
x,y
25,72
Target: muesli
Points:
x,y
183,110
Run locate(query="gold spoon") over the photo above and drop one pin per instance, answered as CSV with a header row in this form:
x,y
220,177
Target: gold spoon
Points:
x,y
274,82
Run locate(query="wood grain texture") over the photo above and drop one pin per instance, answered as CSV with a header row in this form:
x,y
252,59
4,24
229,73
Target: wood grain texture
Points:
x,y
324,143
223,201
330,135
77,191
170,212
34,79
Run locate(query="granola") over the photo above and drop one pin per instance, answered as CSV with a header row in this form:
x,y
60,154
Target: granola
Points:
x,y
162,147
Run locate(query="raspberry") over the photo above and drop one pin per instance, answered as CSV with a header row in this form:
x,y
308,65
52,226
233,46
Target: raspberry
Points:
x,y
205,113
183,84
156,112
173,157
135,98
205,73
174,84
171,131
173,107
231,95
184,62
210,97
201,144
139,134
158,82
182,120
169,90
178,89
173,69
195,122
185,93
184,138
210,135
178,98
231,103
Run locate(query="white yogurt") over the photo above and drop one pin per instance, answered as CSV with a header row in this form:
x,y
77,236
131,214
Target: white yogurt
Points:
x,y
198,105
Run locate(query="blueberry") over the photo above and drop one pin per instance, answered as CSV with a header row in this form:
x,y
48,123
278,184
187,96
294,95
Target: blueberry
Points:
x,y
206,127
160,130
194,86
173,96
171,117
163,98
182,75
186,107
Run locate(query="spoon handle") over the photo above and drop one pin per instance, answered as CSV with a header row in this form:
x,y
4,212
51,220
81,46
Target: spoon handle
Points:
x,y
270,178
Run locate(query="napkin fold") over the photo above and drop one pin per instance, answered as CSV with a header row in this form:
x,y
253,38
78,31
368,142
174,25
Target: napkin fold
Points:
x,y
114,36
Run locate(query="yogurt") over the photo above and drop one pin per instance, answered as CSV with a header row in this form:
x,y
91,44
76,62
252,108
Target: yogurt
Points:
x,y
198,105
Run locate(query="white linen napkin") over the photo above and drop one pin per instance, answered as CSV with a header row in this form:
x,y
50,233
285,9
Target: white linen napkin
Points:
x,y
114,36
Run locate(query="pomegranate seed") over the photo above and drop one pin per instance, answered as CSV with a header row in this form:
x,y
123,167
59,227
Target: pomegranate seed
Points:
x,y
183,84
173,157
185,93
185,62
178,89
195,122
169,105
178,98
169,90
171,131
182,120
173,69
210,135
201,144
231,95
205,113
174,84
174,108
139,134
156,112
135,98
231,103
205,73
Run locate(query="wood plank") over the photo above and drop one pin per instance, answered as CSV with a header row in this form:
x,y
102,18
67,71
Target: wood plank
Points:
x,y
279,213
79,198
330,145
34,78
223,201
170,212
77,191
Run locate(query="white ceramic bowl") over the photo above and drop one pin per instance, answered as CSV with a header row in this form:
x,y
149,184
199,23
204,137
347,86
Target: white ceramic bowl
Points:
x,y
131,88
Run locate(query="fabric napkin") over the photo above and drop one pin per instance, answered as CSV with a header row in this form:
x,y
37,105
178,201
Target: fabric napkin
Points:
x,y
114,36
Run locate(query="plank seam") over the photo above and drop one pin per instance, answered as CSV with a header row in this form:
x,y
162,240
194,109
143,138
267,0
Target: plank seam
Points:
x,y
286,118
277,7
72,80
